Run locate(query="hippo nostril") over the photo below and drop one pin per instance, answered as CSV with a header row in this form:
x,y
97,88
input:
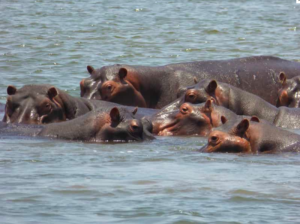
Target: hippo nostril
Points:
x,y
135,127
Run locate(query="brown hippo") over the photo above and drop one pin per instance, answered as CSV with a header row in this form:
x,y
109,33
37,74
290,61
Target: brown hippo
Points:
x,y
190,119
243,103
289,93
116,124
155,87
43,104
253,137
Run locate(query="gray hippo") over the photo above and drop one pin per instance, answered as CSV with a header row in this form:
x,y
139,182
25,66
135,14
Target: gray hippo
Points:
x,y
243,103
155,87
43,104
116,124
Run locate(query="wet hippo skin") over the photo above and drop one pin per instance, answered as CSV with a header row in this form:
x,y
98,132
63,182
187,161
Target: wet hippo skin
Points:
x,y
243,103
117,124
155,87
252,137
190,119
42,104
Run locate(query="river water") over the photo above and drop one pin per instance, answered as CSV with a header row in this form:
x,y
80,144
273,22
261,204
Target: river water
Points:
x,y
163,181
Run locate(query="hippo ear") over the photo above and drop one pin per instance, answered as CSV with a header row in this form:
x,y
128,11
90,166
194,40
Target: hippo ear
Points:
x,y
115,115
90,69
255,119
242,127
223,119
52,92
195,80
134,111
122,73
282,78
208,105
212,86
11,90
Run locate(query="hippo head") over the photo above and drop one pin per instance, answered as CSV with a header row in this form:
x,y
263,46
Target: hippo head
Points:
x,y
119,125
182,90
189,120
33,104
90,87
289,93
206,90
112,83
236,140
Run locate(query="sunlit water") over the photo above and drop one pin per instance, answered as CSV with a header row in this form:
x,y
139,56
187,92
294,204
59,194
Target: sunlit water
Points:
x,y
163,181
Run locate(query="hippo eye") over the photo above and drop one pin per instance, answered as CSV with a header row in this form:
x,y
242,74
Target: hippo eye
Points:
x,y
214,139
191,96
45,109
47,106
184,110
109,87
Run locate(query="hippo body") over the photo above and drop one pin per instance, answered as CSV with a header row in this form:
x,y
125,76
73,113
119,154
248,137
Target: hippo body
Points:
x,y
42,104
155,87
117,124
243,103
252,137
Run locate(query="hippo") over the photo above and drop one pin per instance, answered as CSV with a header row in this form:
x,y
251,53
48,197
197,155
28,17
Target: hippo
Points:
x,y
243,103
289,93
155,87
190,119
252,137
43,104
114,125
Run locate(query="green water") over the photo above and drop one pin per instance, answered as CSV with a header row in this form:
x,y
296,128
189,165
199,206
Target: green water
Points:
x,y
164,181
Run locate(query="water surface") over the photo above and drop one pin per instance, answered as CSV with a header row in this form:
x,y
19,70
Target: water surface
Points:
x,y
164,181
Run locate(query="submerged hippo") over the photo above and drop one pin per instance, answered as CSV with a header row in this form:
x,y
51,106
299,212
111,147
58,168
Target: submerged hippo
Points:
x,y
289,93
43,104
155,87
243,103
253,137
117,124
191,119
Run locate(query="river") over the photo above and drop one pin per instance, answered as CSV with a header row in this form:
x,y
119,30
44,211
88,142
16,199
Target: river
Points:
x,y
163,181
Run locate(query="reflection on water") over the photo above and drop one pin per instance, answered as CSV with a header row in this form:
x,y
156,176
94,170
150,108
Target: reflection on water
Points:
x,y
164,181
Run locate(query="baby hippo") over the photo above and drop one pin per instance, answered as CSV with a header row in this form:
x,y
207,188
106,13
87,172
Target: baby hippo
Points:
x,y
112,125
252,137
